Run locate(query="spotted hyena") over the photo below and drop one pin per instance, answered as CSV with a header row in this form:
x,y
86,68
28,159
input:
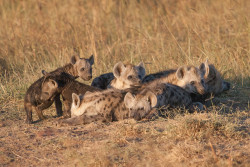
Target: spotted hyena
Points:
x,y
213,80
171,96
41,94
110,105
189,78
124,76
79,67
73,86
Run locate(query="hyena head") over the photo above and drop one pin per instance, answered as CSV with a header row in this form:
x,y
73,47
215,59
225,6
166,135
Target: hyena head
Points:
x,y
49,87
213,80
191,79
76,102
83,67
128,75
141,104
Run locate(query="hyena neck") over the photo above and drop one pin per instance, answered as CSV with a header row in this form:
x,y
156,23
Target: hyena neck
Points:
x,y
171,78
115,83
69,68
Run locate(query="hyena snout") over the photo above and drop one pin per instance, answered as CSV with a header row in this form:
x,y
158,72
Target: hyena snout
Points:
x,y
226,86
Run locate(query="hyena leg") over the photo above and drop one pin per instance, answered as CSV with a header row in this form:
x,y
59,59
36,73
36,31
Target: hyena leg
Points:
x,y
66,112
83,119
58,105
196,106
40,113
28,109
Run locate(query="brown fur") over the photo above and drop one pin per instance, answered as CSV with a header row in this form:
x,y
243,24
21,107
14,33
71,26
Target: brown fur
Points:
x,y
41,94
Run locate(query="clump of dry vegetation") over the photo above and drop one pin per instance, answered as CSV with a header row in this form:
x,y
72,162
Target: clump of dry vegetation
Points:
x,y
42,34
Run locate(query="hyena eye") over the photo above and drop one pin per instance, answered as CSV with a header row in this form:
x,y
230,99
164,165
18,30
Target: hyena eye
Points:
x,y
202,81
192,82
82,69
130,77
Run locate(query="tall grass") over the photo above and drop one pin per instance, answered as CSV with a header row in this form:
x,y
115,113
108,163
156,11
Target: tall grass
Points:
x,y
43,34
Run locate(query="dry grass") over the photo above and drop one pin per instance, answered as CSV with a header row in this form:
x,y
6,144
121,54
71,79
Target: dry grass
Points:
x,y
42,34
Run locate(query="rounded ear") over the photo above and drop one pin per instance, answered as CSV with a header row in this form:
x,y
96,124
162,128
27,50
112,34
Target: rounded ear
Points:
x,y
75,100
91,60
53,83
45,73
118,68
74,59
204,68
129,100
141,68
152,99
180,73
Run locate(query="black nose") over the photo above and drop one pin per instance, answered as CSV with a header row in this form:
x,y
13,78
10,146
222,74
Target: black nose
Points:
x,y
227,86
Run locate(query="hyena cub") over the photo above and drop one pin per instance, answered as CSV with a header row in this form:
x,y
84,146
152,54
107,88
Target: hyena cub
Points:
x,y
110,105
78,67
73,86
189,78
213,80
124,76
41,94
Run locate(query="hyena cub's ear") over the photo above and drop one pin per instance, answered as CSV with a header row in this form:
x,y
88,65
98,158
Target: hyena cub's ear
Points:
x,y
52,84
75,100
141,69
118,68
74,59
129,100
180,72
204,68
91,60
152,98
45,73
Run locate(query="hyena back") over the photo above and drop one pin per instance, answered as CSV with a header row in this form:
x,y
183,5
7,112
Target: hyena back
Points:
x,y
124,76
110,105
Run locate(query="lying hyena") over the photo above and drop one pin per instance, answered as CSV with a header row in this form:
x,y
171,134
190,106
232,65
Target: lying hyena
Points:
x,y
171,96
41,94
189,78
213,80
79,67
110,105
124,76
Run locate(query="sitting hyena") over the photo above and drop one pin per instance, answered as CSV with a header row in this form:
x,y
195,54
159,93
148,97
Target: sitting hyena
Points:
x,y
79,67
189,78
110,105
124,76
41,94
